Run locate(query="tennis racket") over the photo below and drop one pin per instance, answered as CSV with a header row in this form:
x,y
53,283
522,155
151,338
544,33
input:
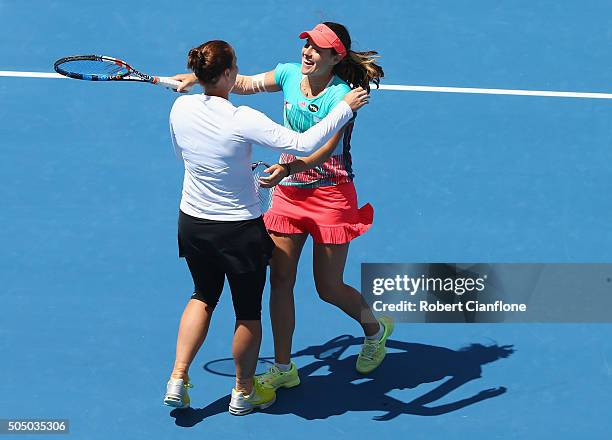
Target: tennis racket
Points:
x,y
103,68
264,194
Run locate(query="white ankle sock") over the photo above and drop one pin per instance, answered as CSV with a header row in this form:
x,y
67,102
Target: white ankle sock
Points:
x,y
283,367
376,336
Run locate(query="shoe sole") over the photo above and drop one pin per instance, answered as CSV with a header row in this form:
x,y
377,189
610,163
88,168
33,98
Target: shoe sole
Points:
x,y
176,405
244,411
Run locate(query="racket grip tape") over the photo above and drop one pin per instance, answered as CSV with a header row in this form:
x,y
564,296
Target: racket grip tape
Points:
x,y
167,82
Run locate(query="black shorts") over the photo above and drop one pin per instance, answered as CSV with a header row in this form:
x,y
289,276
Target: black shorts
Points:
x,y
234,246
237,250
247,287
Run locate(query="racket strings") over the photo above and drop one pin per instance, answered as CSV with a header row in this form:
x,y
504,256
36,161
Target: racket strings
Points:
x,y
264,194
94,67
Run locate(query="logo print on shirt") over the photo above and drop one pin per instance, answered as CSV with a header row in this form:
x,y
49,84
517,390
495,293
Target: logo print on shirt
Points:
x,y
302,104
313,108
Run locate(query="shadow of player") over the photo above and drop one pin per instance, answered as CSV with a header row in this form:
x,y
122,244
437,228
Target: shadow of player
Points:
x,y
341,389
330,385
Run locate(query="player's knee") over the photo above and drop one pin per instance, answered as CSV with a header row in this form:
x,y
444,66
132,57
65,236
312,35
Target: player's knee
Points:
x,y
249,314
209,301
247,305
327,289
282,280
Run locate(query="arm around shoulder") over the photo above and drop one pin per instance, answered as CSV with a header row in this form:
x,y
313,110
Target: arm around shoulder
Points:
x,y
257,128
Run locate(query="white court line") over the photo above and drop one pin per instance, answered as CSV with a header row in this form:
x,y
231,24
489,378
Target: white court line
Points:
x,y
31,74
547,93
401,88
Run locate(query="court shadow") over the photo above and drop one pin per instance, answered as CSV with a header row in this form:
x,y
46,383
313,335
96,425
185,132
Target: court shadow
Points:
x,y
330,386
188,417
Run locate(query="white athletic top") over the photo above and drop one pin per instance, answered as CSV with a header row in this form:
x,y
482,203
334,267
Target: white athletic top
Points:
x,y
214,139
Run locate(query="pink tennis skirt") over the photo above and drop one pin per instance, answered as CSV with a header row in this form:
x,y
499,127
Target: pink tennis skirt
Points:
x,y
328,213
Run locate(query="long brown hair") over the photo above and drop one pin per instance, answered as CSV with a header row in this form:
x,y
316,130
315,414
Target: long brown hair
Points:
x,y
209,60
358,69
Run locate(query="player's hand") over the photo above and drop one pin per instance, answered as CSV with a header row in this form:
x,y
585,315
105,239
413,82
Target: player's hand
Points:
x,y
187,81
276,173
357,98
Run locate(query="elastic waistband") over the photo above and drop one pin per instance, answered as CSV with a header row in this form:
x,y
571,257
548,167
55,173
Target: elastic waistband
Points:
x,y
205,221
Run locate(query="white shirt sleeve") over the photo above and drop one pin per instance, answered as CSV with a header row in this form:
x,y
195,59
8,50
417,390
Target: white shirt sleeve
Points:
x,y
177,150
257,128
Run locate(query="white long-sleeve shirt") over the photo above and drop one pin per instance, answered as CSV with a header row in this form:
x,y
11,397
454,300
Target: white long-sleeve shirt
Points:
x,y
214,139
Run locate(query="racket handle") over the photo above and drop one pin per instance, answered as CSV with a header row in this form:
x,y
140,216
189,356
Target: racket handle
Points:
x,y
167,82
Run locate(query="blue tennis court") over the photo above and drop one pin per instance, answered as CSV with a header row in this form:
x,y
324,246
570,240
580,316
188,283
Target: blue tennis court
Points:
x,y
91,287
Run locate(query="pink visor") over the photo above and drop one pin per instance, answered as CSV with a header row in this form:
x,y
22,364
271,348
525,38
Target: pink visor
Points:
x,y
325,38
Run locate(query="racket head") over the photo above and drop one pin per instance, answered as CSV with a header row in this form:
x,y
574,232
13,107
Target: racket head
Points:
x,y
264,194
93,68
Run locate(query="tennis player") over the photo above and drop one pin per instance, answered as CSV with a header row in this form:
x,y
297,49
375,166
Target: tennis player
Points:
x,y
317,196
221,232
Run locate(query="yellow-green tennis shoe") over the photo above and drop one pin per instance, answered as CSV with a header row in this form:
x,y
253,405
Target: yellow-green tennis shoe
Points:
x,y
274,378
177,394
373,351
260,398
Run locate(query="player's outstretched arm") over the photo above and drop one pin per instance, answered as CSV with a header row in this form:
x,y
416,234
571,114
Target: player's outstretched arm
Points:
x,y
245,84
250,84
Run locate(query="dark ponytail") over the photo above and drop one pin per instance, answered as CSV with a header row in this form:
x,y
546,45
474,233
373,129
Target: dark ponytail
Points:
x,y
209,60
358,69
